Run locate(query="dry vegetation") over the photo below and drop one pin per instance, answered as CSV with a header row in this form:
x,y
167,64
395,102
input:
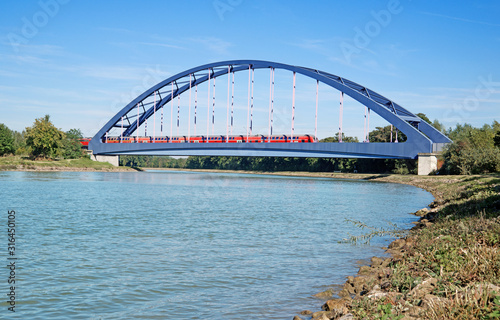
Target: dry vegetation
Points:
x,y
447,268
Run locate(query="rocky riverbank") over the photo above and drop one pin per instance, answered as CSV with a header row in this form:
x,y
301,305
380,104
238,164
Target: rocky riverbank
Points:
x,y
447,268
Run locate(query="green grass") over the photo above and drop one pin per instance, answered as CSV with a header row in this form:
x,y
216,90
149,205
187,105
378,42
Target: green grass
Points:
x,y
22,163
460,249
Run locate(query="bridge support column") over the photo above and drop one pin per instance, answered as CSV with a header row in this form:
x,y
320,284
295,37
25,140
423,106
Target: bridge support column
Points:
x,y
427,162
114,160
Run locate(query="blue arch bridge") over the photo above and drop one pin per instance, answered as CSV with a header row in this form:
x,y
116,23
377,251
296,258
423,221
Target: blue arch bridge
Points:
x,y
120,135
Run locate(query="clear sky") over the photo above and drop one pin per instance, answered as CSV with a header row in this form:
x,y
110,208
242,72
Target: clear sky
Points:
x,y
82,61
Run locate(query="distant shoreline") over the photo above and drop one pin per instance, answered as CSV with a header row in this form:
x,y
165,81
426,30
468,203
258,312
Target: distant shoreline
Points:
x,y
335,175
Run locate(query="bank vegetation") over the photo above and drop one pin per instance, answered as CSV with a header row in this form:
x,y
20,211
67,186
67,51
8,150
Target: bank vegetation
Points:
x,y
448,267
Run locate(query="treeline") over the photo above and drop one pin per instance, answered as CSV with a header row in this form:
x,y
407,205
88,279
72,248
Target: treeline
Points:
x,y
152,162
380,134
473,151
41,141
302,164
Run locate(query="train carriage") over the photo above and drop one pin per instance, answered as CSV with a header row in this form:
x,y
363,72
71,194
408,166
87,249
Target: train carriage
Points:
x,y
304,138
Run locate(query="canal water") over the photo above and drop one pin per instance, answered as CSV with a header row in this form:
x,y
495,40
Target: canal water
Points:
x,y
185,245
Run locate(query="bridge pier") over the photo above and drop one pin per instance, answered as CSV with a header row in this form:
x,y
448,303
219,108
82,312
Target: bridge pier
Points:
x,y
114,160
427,162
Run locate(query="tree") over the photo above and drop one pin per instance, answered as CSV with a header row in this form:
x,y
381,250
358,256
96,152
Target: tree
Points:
x,y
6,140
496,139
439,126
423,116
336,138
43,139
473,150
19,142
72,146
384,134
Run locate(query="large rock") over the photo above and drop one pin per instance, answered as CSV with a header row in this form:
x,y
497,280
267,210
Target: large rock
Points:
x,y
338,307
349,288
386,262
359,284
422,212
376,262
324,295
344,294
365,270
423,289
376,293
323,315
397,244
306,312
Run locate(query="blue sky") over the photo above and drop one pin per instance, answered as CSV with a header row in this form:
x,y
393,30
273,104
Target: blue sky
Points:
x,y
82,61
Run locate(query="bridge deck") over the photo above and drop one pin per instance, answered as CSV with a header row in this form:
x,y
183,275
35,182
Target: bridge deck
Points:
x,y
317,150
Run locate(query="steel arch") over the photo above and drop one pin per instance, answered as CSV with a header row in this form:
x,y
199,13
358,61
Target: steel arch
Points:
x,y
418,132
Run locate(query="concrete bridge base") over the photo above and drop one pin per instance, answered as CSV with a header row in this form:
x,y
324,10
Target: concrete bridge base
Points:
x,y
114,160
427,162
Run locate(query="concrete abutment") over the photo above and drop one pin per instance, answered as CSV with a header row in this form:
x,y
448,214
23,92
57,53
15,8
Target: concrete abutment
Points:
x,y
114,160
427,162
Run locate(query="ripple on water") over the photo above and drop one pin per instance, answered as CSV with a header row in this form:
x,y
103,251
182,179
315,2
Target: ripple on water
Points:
x,y
177,245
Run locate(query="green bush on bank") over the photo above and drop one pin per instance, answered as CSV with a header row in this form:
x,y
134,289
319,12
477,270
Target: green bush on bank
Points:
x,y
42,140
473,151
6,140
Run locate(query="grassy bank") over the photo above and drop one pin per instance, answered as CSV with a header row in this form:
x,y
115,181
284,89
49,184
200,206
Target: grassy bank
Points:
x,y
447,268
17,163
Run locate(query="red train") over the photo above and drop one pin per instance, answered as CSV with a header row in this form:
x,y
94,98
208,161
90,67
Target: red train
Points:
x,y
212,139
85,142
